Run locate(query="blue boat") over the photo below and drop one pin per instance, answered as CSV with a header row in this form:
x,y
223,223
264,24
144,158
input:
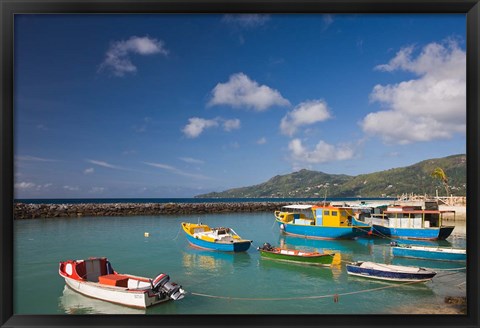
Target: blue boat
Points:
x,y
411,223
320,221
429,252
389,272
218,239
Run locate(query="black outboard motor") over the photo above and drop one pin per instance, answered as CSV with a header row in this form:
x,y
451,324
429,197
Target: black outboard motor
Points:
x,y
266,247
163,284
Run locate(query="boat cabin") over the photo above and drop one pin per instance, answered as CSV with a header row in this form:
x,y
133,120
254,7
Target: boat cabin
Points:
x,y
329,216
296,214
413,217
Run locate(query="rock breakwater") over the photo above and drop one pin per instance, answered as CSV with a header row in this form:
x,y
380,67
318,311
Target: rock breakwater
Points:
x,y
35,211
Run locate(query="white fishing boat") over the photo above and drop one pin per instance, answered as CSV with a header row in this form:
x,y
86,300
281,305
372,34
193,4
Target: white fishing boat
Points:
x,y
389,272
429,252
95,277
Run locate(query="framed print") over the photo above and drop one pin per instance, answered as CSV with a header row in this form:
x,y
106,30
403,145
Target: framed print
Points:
x,y
251,163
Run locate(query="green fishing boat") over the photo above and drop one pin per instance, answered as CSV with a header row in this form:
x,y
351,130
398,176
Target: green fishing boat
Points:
x,y
296,256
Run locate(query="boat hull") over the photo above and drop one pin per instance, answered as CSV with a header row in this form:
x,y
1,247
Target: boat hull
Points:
x,y
322,232
429,254
323,259
237,246
389,275
414,233
118,295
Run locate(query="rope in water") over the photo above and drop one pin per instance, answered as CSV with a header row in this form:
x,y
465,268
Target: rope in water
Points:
x,y
301,297
179,229
335,296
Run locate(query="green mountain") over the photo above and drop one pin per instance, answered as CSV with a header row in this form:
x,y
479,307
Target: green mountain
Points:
x,y
389,183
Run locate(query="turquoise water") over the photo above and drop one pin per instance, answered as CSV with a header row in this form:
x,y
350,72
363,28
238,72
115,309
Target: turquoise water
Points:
x,y
263,286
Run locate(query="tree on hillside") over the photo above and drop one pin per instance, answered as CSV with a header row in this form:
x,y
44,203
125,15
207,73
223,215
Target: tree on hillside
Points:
x,y
438,173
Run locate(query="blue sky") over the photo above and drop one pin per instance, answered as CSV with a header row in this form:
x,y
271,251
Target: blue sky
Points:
x,y
179,105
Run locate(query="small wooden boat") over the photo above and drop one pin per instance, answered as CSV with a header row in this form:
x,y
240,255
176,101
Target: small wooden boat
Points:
x,y
429,252
218,239
96,278
389,272
297,256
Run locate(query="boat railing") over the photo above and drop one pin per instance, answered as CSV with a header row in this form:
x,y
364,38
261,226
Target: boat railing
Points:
x,y
233,231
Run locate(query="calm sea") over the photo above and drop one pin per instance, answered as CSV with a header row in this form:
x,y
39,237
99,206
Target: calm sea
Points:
x,y
184,200
264,285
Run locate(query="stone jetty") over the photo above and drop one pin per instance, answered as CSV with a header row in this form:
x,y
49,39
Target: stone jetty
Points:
x,y
35,211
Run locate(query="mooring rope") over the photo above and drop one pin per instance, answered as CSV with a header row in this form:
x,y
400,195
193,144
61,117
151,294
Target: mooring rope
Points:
x,y
177,233
335,296
452,269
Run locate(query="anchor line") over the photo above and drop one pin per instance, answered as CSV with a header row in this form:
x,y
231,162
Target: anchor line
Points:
x,y
177,233
300,297
452,269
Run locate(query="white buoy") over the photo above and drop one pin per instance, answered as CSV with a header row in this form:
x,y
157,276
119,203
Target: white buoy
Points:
x,y
146,234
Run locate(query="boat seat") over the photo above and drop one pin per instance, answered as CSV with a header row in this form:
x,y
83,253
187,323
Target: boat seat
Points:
x,y
94,269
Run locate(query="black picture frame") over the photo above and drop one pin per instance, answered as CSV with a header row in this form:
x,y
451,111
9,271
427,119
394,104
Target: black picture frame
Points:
x,y
8,8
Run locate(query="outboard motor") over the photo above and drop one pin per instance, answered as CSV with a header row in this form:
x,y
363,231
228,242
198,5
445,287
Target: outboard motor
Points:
x,y
267,247
163,285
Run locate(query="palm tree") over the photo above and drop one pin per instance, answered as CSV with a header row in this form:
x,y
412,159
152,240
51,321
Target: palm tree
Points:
x,y
438,173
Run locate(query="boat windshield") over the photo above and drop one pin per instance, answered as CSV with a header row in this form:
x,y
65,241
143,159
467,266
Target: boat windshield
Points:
x,y
304,210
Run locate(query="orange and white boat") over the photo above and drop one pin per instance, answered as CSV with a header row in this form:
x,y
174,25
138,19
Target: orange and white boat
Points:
x,y
96,278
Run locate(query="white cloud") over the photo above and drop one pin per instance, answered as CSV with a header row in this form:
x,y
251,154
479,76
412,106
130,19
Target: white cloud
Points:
x,y
117,58
104,164
90,170
191,160
241,91
70,188
306,113
246,20
196,125
25,185
34,159
96,190
262,141
142,127
432,106
322,152
327,21
229,125
176,171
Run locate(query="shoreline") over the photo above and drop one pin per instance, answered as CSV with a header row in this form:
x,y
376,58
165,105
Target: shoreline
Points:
x,y
452,305
26,211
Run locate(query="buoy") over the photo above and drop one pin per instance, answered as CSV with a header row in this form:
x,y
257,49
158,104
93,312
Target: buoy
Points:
x,y
146,234
335,298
